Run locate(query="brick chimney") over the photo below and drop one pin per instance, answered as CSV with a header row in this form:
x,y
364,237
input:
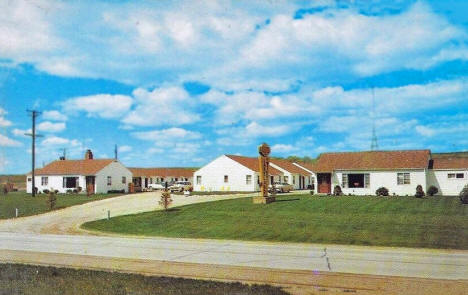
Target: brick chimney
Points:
x,y
88,155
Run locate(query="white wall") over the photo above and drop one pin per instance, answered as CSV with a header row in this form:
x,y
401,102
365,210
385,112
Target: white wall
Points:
x,y
55,182
116,170
386,179
212,176
447,186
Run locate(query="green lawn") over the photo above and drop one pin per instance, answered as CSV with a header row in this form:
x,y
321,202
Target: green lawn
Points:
x,y
433,222
28,205
17,279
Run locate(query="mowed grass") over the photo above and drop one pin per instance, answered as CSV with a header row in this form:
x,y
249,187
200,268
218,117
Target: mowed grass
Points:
x,y
17,279
433,222
28,205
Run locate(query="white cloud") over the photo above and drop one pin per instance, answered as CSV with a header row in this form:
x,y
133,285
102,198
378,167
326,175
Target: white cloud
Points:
x,y
166,136
283,148
8,142
162,106
124,148
425,131
20,132
4,122
51,127
54,116
100,105
59,141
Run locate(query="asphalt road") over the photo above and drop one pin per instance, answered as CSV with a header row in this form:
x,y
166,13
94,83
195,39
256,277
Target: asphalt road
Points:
x,y
438,264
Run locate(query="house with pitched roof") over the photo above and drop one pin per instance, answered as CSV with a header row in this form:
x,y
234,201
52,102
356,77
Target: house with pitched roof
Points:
x,y
449,172
232,173
362,173
294,174
142,177
88,174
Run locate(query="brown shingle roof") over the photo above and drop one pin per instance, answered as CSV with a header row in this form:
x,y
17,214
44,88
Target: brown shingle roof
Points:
x,y
74,167
162,172
290,167
373,160
450,163
308,166
252,164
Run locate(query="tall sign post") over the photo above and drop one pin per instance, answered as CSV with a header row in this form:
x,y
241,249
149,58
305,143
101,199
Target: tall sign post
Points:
x,y
264,175
34,114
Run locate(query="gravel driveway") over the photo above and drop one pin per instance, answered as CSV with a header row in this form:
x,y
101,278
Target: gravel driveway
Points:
x,y
68,220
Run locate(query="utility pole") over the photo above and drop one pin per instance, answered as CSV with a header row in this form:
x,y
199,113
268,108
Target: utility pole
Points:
x,y
34,114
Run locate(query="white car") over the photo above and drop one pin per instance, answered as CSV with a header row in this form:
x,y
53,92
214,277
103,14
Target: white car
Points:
x,y
281,187
180,186
155,186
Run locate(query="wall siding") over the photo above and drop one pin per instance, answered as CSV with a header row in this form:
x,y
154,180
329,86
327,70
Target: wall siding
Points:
x,y
446,186
116,170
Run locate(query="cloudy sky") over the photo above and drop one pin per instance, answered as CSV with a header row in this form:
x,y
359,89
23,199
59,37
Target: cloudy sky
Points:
x,y
177,83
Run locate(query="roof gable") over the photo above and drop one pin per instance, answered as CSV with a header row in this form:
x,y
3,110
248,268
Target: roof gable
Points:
x,y
74,167
252,164
290,167
373,160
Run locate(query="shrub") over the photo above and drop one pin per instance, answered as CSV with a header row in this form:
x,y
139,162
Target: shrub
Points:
x,y
52,200
464,195
80,189
337,191
311,191
116,191
56,191
45,191
419,192
75,191
382,191
432,190
69,191
5,189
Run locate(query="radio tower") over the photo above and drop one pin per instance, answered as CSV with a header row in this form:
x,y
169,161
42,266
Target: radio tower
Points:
x,y
374,144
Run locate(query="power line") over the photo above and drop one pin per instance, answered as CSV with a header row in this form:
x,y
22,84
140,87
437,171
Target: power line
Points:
x,y
34,114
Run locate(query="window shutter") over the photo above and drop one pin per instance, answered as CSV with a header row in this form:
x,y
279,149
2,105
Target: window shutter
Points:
x,y
366,180
344,180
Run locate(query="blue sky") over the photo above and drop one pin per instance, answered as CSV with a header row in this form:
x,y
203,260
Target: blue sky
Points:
x,y
177,83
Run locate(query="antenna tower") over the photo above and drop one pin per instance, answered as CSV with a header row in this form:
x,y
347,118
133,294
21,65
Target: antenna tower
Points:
x,y
374,143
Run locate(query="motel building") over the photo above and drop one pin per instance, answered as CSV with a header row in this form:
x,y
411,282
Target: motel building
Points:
x,y
89,174
232,173
143,177
362,173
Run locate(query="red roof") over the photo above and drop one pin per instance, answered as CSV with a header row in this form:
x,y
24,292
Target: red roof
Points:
x,y
252,164
373,160
308,166
162,172
290,167
450,163
74,167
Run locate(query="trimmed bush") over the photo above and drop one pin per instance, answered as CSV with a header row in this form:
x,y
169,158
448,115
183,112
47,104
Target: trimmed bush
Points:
x,y
337,191
69,191
311,191
432,190
464,195
419,191
382,191
45,191
51,200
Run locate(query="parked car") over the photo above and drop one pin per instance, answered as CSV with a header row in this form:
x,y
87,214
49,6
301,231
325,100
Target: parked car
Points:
x,y
281,187
155,186
180,186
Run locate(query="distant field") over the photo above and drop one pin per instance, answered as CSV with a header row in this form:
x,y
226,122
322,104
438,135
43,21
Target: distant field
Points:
x,y
28,205
18,180
434,222
17,279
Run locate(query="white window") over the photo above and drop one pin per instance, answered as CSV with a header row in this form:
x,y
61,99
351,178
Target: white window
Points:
x,y
226,179
29,179
44,180
124,179
456,175
403,178
198,179
109,180
248,179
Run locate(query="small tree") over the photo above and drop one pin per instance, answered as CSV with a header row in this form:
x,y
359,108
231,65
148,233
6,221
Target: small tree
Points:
x,y
432,190
382,191
5,189
337,191
166,200
419,192
464,195
52,200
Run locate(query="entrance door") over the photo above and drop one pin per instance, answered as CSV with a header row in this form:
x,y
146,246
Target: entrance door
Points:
x,y
146,182
324,183
90,185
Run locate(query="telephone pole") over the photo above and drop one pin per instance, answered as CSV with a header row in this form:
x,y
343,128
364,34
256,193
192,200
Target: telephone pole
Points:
x,y
34,114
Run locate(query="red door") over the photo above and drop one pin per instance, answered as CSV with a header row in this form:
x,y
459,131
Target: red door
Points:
x,y
324,183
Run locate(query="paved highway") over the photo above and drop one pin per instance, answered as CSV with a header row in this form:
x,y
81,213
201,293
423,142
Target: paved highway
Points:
x,y
422,263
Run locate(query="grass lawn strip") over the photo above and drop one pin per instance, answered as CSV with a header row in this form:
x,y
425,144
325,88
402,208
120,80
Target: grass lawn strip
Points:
x,y
433,222
16,279
28,205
